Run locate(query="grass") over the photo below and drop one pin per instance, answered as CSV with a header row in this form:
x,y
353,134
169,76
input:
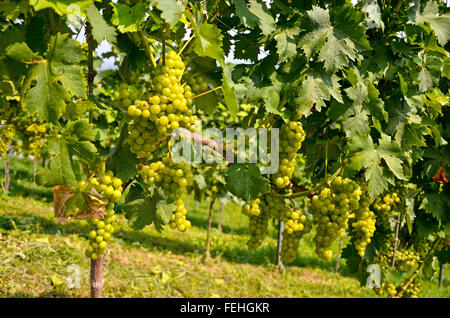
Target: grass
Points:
x,y
36,253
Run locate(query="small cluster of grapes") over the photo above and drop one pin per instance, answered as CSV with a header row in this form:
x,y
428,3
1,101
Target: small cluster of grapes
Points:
x,y
413,290
110,189
404,259
252,208
197,83
178,219
383,208
292,134
6,137
294,229
331,209
125,96
258,222
364,222
174,178
386,288
36,139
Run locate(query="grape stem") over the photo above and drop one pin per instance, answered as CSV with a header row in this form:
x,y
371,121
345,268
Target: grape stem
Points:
x,y
186,44
144,44
207,92
111,105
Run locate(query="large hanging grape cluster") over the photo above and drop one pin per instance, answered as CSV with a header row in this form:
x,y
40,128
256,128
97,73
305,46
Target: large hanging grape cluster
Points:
x,y
294,229
165,108
364,222
292,136
6,137
110,189
331,209
384,206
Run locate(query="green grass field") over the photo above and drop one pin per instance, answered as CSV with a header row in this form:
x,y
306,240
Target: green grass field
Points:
x,y
36,252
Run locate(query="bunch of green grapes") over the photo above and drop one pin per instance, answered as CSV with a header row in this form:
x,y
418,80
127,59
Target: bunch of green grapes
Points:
x,y
125,96
169,175
295,227
258,222
387,289
413,290
404,259
6,137
38,135
291,138
364,222
383,207
331,209
277,207
422,247
178,219
252,208
257,228
110,189
197,83
166,108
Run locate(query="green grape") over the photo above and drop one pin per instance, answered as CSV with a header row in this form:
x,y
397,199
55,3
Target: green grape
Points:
x,y
178,219
258,221
387,289
331,209
292,137
156,114
276,207
384,207
364,222
171,176
294,228
110,189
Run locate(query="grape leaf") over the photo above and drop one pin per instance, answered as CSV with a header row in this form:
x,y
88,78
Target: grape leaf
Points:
x,y
128,19
61,6
255,14
434,204
171,10
100,29
336,41
61,169
208,40
229,92
439,23
287,43
244,180
313,91
121,160
52,82
145,210
368,155
82,129
20,52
